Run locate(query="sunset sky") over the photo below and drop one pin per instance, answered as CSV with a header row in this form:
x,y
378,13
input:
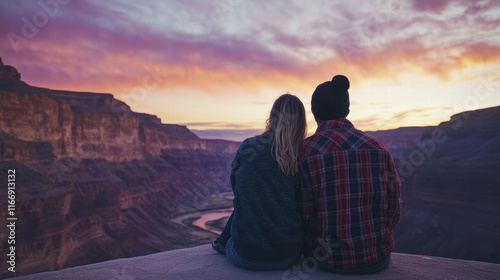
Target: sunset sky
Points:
x,y
220,64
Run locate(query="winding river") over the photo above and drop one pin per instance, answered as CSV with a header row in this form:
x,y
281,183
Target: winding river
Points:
x,y
203,217
212,216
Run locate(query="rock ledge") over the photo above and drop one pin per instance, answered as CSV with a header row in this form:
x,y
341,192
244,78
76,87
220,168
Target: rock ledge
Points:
x,y
204,263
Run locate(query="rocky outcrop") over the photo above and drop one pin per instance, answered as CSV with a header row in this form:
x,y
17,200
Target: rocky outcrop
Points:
x,y
87,125
8,72
96,181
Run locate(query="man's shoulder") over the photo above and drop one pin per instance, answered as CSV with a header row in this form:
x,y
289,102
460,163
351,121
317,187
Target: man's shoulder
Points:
x,y
329,141
312,143
312,139
371,141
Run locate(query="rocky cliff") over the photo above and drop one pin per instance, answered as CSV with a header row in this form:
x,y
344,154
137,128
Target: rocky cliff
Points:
x,y
96,181
9,72
203,262
87,125
400,139
451,186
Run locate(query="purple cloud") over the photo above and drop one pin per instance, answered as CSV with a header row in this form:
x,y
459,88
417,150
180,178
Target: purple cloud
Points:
x,y
430,5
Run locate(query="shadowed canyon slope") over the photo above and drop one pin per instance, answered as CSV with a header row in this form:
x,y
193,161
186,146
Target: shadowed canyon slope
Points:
x,y
96,181
451,186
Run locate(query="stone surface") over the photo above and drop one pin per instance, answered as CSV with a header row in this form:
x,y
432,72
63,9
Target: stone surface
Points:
x,y
203,262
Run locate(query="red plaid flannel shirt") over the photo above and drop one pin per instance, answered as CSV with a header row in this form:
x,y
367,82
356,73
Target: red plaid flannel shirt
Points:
x,y
350,196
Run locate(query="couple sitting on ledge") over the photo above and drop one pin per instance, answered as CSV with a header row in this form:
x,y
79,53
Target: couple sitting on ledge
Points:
x,y
334,197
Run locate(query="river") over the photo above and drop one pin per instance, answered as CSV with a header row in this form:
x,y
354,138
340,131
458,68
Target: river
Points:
x,y
211,216
203,217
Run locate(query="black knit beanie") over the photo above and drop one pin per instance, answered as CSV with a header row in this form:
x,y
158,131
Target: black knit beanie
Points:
x,y
330,100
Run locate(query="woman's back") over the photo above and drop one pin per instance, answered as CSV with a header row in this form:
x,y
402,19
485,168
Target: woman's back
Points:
x,y
265,231
266,225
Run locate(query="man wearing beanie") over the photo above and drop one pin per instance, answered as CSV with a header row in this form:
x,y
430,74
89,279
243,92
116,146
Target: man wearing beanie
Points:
x,y
350,189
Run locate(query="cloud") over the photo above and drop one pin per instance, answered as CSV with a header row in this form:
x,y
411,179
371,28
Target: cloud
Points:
x,y
474,7
400,117
430,5
77,51
221,125
94,46
409,114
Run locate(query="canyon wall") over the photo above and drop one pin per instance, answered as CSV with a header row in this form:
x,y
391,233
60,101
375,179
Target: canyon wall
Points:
x,y
451,186
89,125
96,181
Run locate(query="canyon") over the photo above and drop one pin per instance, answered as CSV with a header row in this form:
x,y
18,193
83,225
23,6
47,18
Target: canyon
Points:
x,y
96,181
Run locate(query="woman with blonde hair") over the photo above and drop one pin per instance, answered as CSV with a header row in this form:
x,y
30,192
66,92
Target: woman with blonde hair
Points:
x,y
264,231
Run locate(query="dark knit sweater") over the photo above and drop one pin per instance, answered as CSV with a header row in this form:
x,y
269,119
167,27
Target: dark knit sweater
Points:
x,y
266,226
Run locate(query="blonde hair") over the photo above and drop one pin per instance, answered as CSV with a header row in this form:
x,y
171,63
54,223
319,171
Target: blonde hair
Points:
x,y
287,127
